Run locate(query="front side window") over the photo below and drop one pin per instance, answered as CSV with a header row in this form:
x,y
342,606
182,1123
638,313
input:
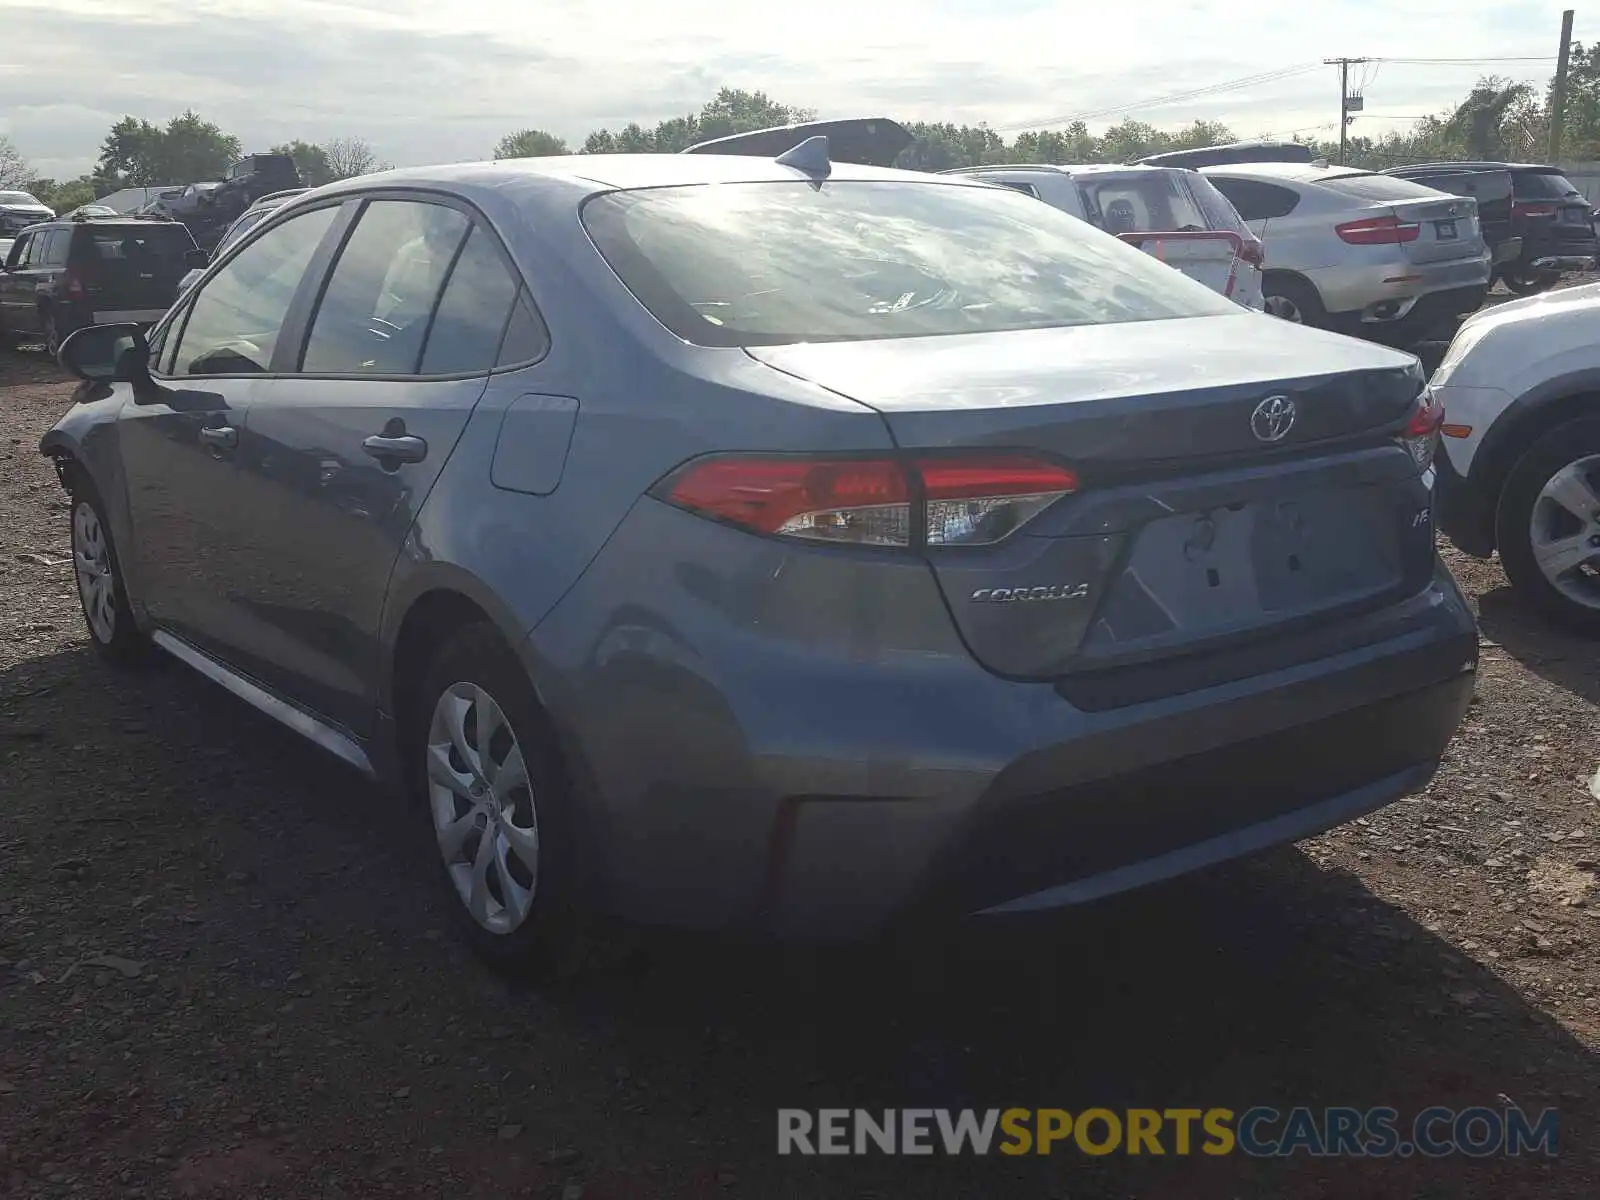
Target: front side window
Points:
x,y
234,320
374,315
771,263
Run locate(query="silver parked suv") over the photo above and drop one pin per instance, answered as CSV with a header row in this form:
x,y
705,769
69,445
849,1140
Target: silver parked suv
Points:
x,y
1357,251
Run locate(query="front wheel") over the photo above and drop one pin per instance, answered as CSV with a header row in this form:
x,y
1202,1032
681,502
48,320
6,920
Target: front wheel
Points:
x,y
52,333
1548,525
101,592
487,773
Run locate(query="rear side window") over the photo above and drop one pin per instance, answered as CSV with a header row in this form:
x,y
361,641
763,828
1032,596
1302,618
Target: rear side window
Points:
x,y
472,312
55,247
1027,189
526,337
743,264
1254,200
374,315
240,227
233,322
1220,214
1543,185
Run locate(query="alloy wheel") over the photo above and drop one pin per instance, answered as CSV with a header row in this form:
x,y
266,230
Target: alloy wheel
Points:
x,y
482,803
1564,531
97,583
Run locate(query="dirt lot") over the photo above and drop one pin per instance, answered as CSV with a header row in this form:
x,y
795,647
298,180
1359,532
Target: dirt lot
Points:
x,y
280,1013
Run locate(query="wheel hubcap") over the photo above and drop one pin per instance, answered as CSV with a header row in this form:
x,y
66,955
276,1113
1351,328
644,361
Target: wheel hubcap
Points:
x,y
1564,531
96,583
1284,308
482,804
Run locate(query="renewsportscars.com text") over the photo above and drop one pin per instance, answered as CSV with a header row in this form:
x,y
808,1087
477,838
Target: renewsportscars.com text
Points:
x,y
1259,1132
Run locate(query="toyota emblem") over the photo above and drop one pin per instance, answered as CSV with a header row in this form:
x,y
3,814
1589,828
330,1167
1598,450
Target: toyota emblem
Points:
x,y
1272,419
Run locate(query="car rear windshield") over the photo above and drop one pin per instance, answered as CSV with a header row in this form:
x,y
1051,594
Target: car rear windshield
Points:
x,y
165,244
771,263
1140,202
1543,185
1382,188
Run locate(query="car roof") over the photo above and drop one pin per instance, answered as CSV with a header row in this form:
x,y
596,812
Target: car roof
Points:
x,y
591,173
1476,165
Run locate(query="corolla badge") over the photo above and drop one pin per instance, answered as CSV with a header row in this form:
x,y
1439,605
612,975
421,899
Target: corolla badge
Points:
x,y
1020,595
1272,419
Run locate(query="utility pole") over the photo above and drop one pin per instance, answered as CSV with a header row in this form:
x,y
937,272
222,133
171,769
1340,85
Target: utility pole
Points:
x,y
1558,93
1344,100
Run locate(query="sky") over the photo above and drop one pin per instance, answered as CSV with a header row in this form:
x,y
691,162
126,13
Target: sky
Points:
x,y
428,82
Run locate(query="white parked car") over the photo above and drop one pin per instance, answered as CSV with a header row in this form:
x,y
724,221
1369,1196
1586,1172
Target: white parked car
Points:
x,y
1171,213
1520,385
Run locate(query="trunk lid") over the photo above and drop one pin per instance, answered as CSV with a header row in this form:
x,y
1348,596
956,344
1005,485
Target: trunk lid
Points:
x,y
1201,516
1491,190
1447,225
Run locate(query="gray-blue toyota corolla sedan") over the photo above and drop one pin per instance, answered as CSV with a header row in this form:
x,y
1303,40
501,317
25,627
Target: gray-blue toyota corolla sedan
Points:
x,y
726,541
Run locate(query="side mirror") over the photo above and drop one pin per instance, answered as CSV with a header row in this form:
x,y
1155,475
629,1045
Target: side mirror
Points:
x,y
195,260
105,353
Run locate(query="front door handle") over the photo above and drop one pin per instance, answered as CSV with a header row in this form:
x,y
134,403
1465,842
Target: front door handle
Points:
x,y
221,437
403,449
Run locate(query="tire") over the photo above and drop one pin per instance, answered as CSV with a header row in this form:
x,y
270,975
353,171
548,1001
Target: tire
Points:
x,y
1522,281
52,333
1293,300
1531,523
97,572
535,938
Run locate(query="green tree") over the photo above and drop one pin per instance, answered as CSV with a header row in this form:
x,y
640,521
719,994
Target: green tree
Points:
x,y
187,150
730,111
1482,122
530,143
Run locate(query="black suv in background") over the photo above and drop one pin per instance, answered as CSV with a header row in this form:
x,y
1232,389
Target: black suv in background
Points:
x,y
61,275
1551,217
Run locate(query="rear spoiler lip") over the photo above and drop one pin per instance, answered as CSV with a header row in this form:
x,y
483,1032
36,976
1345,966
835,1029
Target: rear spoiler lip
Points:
x,y
864,141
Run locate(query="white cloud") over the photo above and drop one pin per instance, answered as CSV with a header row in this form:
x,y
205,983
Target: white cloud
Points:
x,y
425,81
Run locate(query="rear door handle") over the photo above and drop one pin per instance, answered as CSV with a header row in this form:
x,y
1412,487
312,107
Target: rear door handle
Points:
x,y
403,449
223,437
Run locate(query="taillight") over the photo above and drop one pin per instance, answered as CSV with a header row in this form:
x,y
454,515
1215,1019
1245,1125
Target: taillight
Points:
x,y
73,283
1522,208
1420,437
1253,252
1378,231
955,500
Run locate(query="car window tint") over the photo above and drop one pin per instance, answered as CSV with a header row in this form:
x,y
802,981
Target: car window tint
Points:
x,y
23,248
240,227
1027,189
234,322
375,313
743,264
1544,185
1219,213
466,330
526,337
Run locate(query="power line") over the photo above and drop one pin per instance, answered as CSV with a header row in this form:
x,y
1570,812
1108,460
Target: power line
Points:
x,y
1424,62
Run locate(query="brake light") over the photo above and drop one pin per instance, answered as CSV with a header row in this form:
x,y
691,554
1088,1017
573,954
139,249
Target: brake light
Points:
x,y
1253,252
1420,437
1378,231
73,283
1522,208
975,499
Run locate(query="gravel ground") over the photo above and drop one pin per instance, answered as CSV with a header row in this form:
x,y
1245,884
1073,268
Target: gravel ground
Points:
x,y
221,976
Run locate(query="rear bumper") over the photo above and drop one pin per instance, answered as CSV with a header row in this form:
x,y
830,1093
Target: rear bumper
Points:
x,y
1387,290
753,774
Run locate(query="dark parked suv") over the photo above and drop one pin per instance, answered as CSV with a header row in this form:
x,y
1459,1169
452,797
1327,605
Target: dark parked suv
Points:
x,y
1551,217
64,274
